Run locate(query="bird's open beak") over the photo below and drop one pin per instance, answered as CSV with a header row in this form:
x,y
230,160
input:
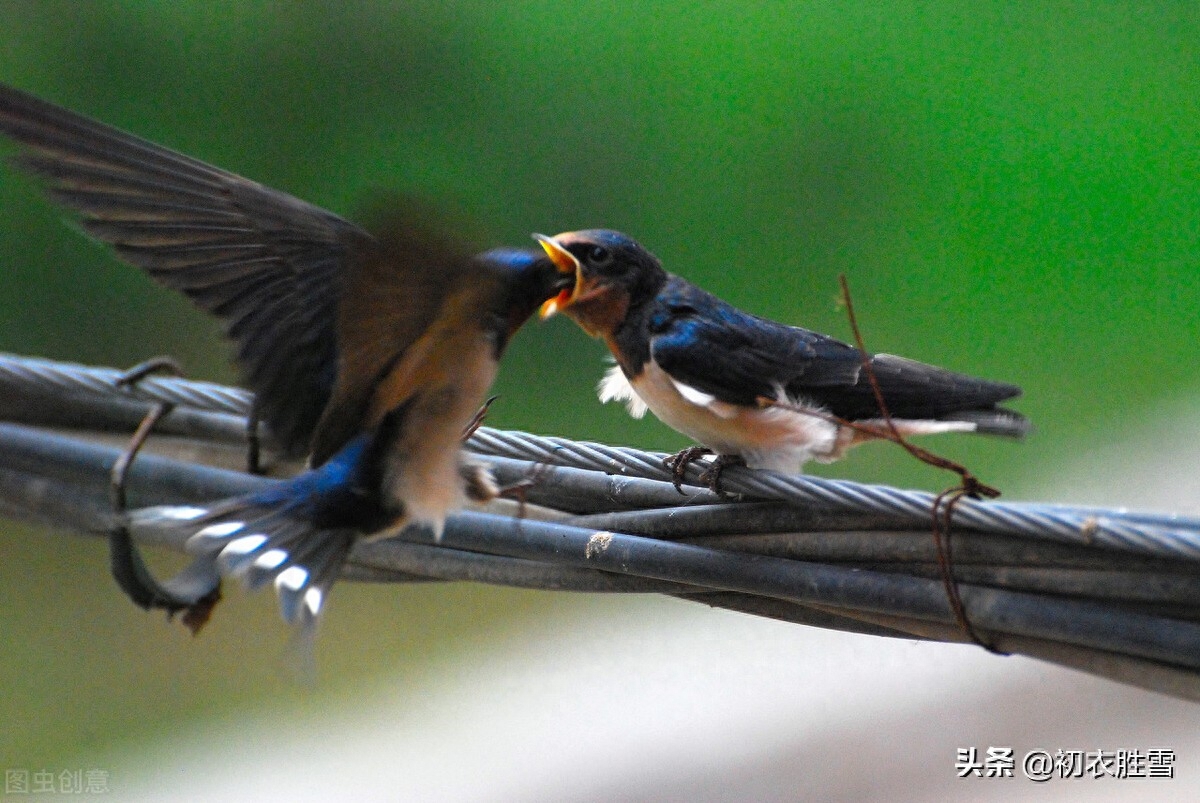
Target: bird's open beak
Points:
x,y
568,265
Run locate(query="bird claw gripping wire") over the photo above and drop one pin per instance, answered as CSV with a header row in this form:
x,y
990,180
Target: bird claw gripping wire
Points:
x,y
678,464
712,475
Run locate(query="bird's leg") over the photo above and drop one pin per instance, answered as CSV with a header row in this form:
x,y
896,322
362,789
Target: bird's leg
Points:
x,y
477,420
712,475
480,485
478,482
677,464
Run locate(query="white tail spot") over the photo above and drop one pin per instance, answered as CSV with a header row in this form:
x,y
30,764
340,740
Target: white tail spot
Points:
x,y
220,530
293,578
270,559
182,513
313,599
244,545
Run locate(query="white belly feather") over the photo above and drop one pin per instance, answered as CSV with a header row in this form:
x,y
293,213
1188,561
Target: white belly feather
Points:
x,y
767,437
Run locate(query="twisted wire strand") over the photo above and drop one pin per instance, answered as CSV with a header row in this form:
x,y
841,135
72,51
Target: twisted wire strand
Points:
x,y
1032,575
1144,533
33,374
61,482
1138,532
912,604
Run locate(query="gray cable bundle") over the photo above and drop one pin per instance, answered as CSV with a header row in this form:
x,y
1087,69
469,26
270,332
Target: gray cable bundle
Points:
x,y
1109,592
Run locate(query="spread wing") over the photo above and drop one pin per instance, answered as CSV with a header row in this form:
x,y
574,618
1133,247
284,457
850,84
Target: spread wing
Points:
x,y
707,344
267,263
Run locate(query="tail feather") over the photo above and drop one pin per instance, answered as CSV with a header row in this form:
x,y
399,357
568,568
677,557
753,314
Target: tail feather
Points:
x,y
262,545
194,582
294,535
998,421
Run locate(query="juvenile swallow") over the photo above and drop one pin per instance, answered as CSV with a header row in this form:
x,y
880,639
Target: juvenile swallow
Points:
x,y
749,389
371,352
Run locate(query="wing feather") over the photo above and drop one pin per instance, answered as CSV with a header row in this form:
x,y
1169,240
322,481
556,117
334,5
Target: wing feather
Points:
x,y
268,263
707,344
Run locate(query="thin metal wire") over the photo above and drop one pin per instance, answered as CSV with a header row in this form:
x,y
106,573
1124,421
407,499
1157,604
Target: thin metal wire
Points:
x,y
31,374
1144,533
1042,580
680,566
61,497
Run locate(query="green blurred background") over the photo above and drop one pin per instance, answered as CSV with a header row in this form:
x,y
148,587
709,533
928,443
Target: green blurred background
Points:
x,y
1010,188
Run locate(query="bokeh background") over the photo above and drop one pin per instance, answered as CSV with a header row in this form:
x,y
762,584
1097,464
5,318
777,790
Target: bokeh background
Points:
x,y
1011,190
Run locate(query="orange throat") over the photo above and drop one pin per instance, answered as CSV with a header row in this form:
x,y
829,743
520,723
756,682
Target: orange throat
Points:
x,y
601,312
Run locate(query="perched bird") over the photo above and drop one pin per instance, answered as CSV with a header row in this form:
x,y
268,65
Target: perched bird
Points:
x,y
749,389
372,353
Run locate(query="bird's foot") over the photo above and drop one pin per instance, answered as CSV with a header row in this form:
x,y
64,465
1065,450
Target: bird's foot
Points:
x,y
477,420
712,475
677,464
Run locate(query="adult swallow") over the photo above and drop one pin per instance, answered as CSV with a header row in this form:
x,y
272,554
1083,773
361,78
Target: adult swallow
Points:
x,y
372,352
747,388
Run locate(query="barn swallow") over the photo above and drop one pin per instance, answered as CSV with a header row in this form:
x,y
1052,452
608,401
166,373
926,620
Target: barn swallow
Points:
x,y
371,352
749,389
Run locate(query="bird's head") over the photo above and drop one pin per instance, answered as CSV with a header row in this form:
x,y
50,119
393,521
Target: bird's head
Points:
x,y
528,279
612,273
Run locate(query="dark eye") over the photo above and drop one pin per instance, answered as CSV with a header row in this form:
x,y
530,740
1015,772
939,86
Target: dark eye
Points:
x,y
599,256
